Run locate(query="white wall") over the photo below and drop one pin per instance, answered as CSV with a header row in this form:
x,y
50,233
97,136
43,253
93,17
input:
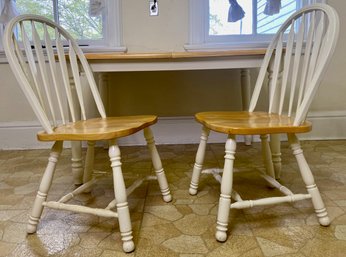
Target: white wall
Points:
x,y
174,94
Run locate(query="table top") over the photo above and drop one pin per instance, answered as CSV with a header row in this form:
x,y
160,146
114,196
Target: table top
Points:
x,y
174,55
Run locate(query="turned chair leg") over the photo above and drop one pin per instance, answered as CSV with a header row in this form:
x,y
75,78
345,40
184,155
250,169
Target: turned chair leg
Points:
x,y
160,173
267,156
121,198
197,168
77,162
44,187
226,190
275,146
309,181
89,162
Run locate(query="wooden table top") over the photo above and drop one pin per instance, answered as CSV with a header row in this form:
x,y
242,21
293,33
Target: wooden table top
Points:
x,y
174,55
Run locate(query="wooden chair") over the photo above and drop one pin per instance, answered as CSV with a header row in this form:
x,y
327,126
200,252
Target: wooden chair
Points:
x,y
35,49
297,57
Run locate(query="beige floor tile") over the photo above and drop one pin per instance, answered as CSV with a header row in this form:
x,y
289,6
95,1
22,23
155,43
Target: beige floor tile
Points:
x,y
186,226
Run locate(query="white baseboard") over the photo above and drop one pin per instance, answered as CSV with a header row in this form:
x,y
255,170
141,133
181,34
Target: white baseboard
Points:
x,y
171,130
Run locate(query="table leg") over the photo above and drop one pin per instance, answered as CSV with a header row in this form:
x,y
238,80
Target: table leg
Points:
x,y
103,89
275,143
245,81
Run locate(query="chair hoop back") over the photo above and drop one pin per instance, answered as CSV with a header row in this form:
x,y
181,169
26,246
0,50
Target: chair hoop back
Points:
x,y
296,60
47,63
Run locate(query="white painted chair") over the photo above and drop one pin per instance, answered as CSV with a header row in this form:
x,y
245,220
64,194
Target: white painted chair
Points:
x,y
50,79
298,56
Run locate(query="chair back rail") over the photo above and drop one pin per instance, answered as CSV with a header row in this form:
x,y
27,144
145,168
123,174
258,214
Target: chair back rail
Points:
x,y
35,48
297,59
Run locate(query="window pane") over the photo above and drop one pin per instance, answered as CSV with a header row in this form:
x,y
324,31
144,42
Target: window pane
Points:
x,y
74,16
270,24
218,16
254,22
39,7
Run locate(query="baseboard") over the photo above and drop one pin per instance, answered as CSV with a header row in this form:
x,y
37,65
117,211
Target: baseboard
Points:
x,y
171,130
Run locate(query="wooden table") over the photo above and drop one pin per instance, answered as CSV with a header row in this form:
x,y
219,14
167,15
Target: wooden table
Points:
x,y
104,63
243,60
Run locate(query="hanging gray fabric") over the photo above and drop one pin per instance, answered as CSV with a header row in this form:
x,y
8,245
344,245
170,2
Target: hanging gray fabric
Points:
x,y
8,11
235,12
96,7
272,7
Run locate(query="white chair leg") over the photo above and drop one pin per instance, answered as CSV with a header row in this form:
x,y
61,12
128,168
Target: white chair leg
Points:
x,y
77,162
121,198
275,146
309,181
226,190
89,162
267,156
197,168
44,187
160,173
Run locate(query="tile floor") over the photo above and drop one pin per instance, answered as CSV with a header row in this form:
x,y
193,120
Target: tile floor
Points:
x,y
186,226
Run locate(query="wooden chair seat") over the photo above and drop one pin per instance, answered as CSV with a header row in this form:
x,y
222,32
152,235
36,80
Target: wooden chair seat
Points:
x,y
99,128
250,123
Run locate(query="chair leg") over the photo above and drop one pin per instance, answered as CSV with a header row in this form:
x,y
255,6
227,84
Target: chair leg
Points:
x,y
197,168
275,146
77,162
309,181
226,189
44,187
121,198
267,156
160,173
89,162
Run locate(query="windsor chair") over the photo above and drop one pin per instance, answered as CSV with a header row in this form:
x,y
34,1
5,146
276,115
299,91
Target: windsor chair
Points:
x,y
298,56
47,74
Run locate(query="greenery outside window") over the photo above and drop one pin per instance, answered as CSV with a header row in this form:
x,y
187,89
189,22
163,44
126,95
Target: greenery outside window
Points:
x,y
99,32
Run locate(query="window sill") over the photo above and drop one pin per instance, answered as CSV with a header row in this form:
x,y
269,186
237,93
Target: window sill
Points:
x,y
224,46
85,49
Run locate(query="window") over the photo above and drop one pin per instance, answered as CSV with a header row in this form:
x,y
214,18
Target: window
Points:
x,y
99,31
210,29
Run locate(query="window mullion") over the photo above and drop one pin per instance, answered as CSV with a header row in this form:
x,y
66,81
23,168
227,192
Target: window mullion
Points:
x,y
56,11
254,17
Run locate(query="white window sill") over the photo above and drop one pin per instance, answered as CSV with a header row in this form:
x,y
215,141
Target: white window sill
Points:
x,y
224,46
86,49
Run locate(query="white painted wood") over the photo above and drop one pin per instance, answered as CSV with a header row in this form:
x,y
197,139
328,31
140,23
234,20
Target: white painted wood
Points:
x,y
161,178
269,201
53,71
64,73
197,168
81,209
309,181
307,55
76,78
274,85
267,156
287,66
245,84
226,190
296,63
42,71
48,87
121,198
44,187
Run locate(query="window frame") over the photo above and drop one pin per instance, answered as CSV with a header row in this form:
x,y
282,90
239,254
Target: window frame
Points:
x,y
199,38
112,31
